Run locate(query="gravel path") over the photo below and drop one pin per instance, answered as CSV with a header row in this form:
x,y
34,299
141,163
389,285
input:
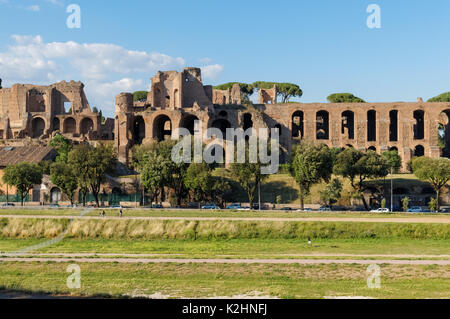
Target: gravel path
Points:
x,y
227,261
122,255
425,220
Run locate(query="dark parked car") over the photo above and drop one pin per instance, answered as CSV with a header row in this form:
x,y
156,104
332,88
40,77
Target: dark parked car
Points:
x,y
8,205
234,206
286,209
157,206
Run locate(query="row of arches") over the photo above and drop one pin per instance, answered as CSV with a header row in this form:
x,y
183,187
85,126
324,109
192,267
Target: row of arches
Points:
x,y
348,125
162,126
69,126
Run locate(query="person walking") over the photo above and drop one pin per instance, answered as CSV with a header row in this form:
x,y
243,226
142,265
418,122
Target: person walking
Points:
x,y
120,213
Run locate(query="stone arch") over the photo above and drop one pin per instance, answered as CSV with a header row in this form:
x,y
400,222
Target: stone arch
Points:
x,y
162,127
55,195
56,126
393,149
222,125
138,130
37,127
372,148
70,125
444,132
322,125
419,126
298,124
371,126
86,125
188,122
393,126
348,124
419,151
247,121
223,114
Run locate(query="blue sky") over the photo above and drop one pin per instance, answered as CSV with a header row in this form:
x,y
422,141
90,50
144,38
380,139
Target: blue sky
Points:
x,y
324,46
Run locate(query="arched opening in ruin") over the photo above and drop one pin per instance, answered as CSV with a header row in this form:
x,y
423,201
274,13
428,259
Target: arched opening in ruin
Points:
x,y
372,148
162,128
86,125
70,125
322,125
188,122
247,121
371,126
297,124
348,124
37,127
223,114
419,151
419,126
222,125
55,195
393,149
349,146
55,124
138,130
393,126
444,133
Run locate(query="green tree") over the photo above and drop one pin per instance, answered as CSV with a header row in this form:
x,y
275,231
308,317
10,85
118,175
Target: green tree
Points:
x,y
23,177
393,160
248,175
432,205
62,175
436,171
63,146
285,90
91,166
140,96
311,164
444,97
199,180
344,98
405,203
332,192
78,160
358,167
152,177
246,89
172,173
221,191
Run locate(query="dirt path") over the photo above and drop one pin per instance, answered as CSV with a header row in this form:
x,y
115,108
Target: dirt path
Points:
x,y
227,261
122,255
425,220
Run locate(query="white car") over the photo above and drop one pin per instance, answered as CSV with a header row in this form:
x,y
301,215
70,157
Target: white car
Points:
x,y
381,210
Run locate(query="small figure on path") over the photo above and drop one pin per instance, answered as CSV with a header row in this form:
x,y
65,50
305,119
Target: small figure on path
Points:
x,y
120,213
309,241
103,214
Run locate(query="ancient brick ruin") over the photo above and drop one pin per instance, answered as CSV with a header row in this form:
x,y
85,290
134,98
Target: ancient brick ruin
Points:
x,y
38,112
177,99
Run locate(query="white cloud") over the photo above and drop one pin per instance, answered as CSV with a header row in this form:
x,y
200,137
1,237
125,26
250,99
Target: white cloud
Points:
x,y
106,69
34,8
205,60
56,2
212,71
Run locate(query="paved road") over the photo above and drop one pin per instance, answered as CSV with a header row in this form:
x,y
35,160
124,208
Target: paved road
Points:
x,y
227,261
424,220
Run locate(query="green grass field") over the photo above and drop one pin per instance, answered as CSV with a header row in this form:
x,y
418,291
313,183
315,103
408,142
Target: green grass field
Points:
x,y
200,280
225,239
